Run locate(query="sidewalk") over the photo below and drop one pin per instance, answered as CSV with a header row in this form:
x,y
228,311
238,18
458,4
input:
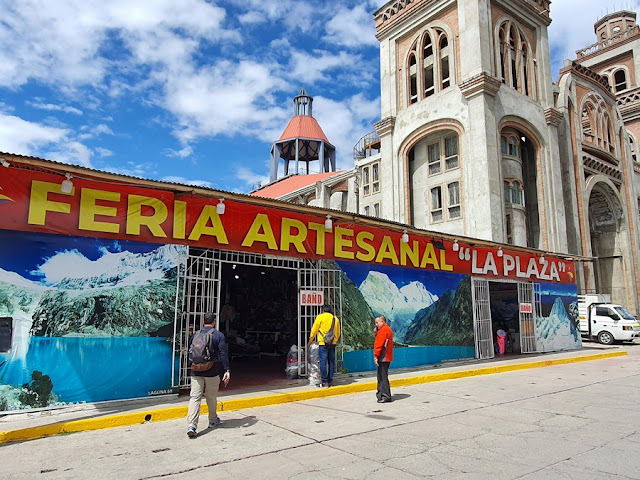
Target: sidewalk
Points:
x,y
31,425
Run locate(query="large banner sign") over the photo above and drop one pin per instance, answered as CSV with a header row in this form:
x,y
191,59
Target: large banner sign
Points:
x,y
34,201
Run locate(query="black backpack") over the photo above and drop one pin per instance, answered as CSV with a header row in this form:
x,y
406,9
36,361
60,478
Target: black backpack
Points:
x,y
200,356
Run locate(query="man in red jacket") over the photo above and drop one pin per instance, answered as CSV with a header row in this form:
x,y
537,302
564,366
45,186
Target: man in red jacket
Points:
x,y
382,357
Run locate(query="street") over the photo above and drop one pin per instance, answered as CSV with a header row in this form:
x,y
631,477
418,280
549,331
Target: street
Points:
x,y
575,421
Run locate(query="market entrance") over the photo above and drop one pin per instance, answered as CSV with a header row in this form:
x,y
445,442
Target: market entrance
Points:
x,y
256,298
508,306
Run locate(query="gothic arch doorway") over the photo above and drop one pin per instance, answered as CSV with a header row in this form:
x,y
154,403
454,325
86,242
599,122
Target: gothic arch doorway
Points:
x,y
608,233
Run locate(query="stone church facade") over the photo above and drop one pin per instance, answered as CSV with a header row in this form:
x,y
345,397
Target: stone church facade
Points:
x,y
476,140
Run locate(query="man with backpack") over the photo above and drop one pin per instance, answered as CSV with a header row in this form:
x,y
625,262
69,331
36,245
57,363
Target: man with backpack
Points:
x,y
327,328
208,359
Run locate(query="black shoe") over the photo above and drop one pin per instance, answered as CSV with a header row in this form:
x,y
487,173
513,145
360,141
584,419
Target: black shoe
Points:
x,y
384,400
329,384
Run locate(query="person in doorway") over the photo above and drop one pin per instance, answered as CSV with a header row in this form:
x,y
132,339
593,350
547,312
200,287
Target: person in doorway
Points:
x,y
382,357
207,382
326,326
501,340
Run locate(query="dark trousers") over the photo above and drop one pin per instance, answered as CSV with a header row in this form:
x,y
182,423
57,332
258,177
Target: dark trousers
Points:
x,y
327,355
384,389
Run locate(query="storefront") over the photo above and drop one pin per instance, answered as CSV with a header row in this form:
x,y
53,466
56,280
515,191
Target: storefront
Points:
x,y
104,277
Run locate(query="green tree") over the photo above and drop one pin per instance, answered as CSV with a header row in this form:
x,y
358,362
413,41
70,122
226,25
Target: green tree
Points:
x,y
38,392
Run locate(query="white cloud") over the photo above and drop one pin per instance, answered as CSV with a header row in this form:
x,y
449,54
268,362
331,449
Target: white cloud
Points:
x,y
71,152
71,42
52,107
184,181
94,131
294,14
250,178
251,18
226,98
103,152
344,123
27,138
352,27
311,67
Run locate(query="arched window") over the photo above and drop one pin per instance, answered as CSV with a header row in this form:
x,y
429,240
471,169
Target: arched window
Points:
x,y
596,123
516,66
632,145
413,78
427,59
444,60
619,81
429,65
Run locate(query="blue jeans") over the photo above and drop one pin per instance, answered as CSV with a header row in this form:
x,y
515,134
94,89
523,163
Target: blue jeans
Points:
x,y
327,354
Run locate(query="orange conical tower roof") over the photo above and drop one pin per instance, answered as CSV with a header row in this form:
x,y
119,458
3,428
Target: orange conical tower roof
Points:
x,y
302,141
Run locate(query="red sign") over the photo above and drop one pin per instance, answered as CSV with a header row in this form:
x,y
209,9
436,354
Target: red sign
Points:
x,y
526,308
311,297
32,200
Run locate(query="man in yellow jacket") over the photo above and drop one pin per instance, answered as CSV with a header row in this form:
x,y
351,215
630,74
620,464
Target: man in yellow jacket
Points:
x,y
322,327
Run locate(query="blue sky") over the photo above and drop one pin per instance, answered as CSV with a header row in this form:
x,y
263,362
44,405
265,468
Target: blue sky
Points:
x,y
196,91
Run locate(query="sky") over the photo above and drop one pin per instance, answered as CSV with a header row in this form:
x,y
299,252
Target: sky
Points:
x,y
197,91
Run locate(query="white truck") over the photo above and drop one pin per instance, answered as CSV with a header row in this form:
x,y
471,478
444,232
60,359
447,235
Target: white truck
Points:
x,y
602,320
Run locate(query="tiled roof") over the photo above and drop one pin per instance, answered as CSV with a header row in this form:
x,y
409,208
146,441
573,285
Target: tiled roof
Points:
x,y
303,126
291,184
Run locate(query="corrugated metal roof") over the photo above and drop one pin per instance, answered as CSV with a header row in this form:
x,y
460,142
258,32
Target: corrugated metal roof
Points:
x,y
303,126
291,184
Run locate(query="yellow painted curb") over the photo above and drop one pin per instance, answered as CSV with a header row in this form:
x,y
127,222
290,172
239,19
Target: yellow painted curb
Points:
x,y
173,413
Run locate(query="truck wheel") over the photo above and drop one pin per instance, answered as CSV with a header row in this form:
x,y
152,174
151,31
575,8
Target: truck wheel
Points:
x,y
606,338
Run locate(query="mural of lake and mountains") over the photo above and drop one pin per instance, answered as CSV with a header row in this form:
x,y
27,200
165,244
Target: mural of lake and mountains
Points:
x,y
93,318
432,313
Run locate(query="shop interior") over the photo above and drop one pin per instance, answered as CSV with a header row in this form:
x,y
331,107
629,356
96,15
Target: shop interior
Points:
x,y
259,317
503,299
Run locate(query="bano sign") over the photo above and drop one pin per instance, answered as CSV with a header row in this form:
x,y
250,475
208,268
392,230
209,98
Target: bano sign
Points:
x,y
311,297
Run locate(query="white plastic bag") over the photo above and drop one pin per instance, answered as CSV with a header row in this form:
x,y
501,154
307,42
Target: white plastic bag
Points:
x,y
291,370
315,378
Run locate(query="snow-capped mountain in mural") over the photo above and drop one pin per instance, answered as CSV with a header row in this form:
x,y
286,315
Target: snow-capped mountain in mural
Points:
x,y
124,268
557,331
399,305
119,294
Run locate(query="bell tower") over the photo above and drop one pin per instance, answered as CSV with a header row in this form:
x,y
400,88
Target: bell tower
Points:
x,y
302,141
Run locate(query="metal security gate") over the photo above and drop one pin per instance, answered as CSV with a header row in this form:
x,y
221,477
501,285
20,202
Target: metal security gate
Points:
x,y
482,318
526,296
197,293
315,277
199,285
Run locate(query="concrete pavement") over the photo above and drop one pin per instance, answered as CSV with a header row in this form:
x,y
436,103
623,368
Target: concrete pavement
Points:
x,y
28,426
570,420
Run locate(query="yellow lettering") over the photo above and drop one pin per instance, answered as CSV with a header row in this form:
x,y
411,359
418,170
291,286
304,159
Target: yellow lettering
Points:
x,y
340,242
179,219
39,204
202,227
387,250
443,262
429,257
320,233
286,238
260,231
412,253
370,254
135,219
89,209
